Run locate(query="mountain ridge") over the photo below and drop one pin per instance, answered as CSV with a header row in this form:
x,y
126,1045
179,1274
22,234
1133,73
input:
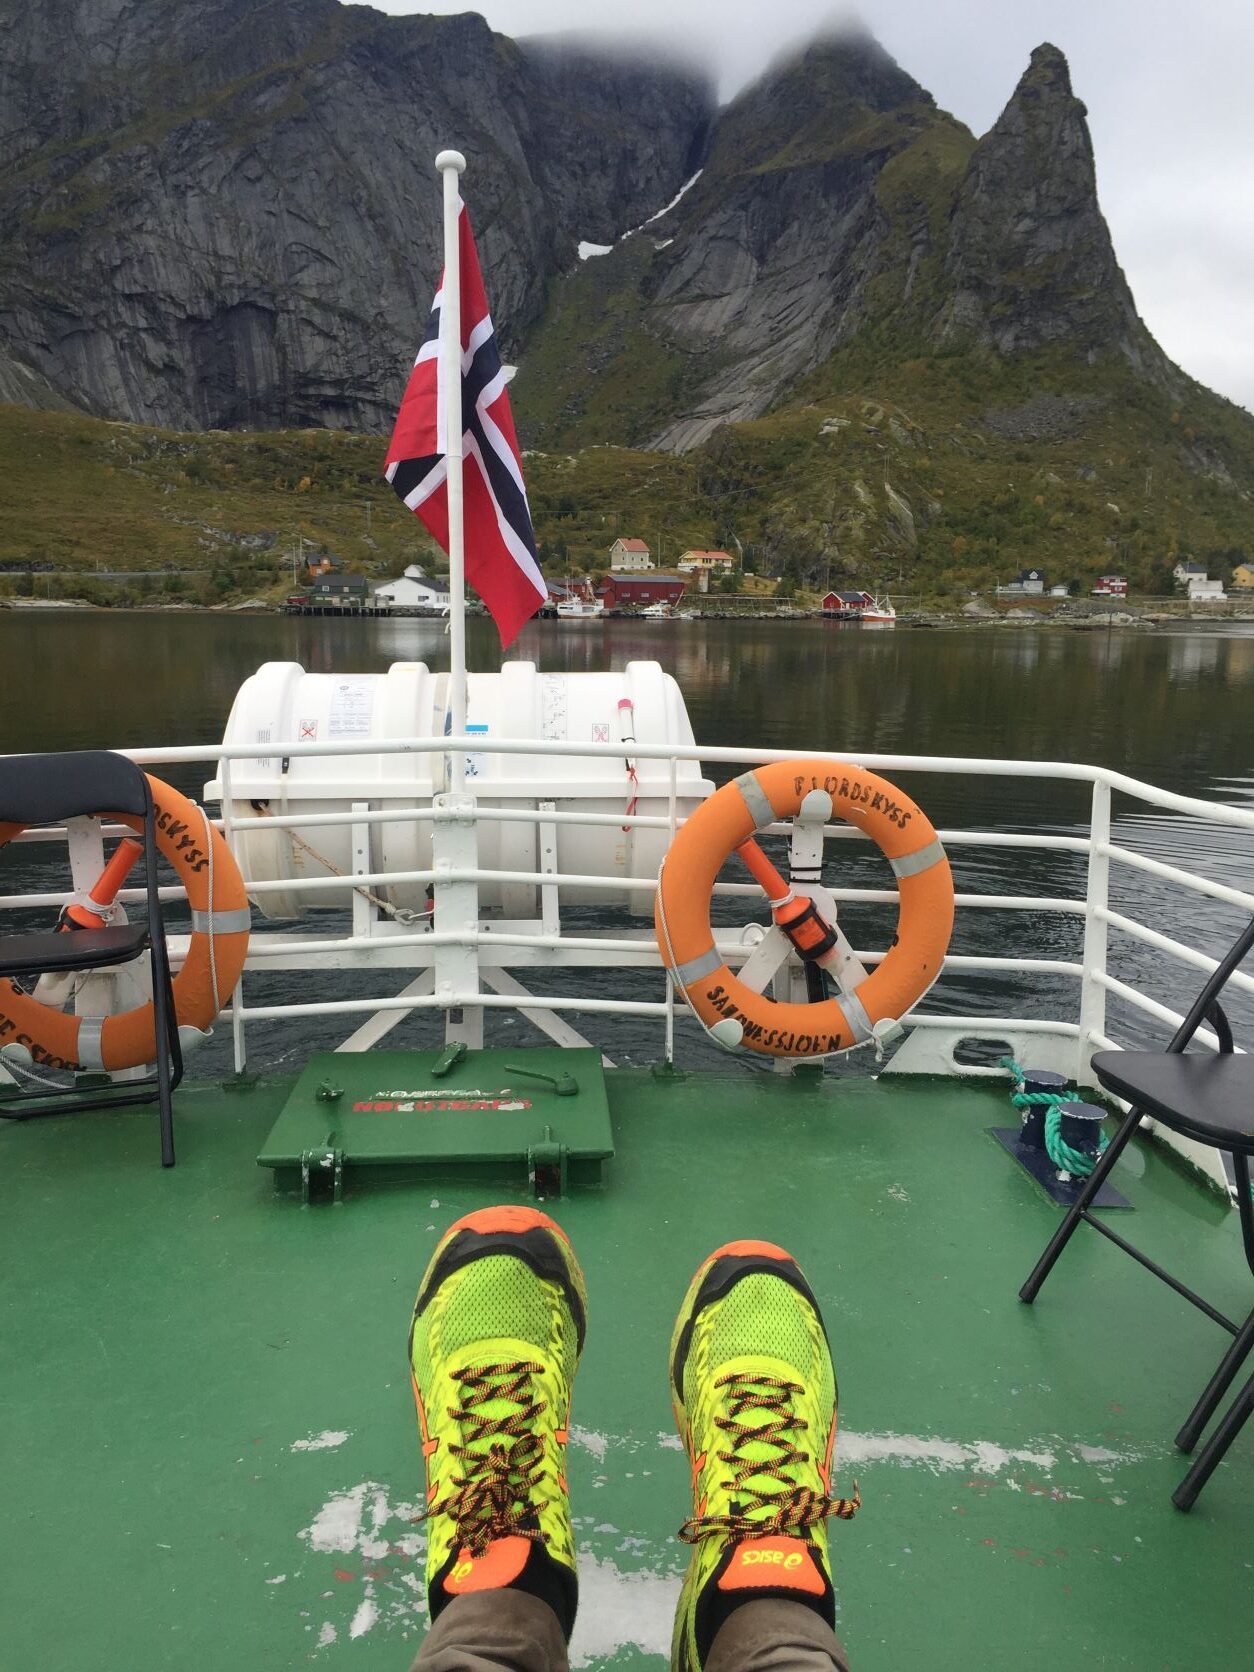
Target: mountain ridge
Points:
x,y
862,341
840,204
224,214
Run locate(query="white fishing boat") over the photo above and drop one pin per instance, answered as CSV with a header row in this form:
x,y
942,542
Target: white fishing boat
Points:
x,y
580,609
878,613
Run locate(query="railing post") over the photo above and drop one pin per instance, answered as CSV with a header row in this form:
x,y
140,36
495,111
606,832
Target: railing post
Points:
x,y
672,821
1096,900
239,1043
455,847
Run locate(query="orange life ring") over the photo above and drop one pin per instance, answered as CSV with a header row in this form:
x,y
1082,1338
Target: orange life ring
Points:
x,y
751,802
220,927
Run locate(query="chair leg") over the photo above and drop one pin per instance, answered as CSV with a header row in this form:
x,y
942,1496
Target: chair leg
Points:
x,y
1062,1236
1218,1385
1245,1202
161,1028
1185,1495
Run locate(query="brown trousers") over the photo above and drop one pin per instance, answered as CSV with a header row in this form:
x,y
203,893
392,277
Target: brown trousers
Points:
x,y
510,1631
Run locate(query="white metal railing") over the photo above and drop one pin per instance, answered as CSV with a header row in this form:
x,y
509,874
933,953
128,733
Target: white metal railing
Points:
x,y
462,949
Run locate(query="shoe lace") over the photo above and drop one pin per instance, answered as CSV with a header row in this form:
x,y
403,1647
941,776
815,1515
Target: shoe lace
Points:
x,y
500,1456
757,1511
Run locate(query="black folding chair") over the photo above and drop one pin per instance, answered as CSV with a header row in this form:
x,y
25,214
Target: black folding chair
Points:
x,y
1209,1097
48,789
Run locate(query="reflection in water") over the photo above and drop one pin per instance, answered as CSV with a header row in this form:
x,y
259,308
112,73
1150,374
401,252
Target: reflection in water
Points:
x,y
1172,707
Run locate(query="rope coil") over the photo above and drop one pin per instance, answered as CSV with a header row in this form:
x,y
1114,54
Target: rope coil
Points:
x,y
1066,1158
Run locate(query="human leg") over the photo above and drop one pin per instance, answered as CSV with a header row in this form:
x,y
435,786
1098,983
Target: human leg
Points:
x,y
494,1631
497,1331
754,1394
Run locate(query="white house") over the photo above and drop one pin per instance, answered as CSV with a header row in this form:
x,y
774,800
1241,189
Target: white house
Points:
x,y
1028,582
1186,573
692,563
630,554
1203,590
413,591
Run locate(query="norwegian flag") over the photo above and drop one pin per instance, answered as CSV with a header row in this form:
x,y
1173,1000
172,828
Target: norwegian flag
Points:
x,y
500,544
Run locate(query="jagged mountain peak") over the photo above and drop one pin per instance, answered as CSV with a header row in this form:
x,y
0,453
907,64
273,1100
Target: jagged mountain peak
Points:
x,y
1047,68
846,58
1030,260
769,263
1045,112
824,89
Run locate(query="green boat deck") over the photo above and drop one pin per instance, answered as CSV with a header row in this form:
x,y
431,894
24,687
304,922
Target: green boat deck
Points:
x,y
211,1454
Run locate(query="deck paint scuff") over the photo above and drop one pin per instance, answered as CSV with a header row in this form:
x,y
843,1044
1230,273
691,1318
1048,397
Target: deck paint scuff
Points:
x,y
985,1456
619,1609
357,1519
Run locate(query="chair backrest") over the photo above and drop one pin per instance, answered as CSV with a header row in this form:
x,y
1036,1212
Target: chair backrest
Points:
x,y
46,789
1206,1004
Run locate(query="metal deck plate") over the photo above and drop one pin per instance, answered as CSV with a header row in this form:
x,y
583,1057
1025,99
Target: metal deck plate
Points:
x,y
415,1110
1037,1164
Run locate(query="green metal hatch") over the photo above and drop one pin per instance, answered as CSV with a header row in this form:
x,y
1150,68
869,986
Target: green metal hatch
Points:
x,y
541,1111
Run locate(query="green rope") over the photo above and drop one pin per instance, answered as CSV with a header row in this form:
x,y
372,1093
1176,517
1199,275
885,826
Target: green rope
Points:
x,y
1068,1160
1060,1152
1025,1099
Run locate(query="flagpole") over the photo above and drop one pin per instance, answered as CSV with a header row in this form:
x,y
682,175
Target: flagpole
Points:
x,y
450,165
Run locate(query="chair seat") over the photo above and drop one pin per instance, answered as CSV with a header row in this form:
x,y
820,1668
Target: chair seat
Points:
x,y
75,949
1202,1095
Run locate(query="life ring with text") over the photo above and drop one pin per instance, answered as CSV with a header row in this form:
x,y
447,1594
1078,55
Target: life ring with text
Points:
x,y
729,819
219,944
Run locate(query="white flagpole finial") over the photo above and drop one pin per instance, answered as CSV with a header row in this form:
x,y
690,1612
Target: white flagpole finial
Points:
x,y
451,159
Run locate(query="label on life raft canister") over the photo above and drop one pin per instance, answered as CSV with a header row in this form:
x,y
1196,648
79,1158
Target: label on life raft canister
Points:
x,y
476,763
352,708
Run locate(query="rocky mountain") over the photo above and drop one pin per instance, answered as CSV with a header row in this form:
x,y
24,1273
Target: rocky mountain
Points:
x,y
840,206
874,343
222,213
1029,261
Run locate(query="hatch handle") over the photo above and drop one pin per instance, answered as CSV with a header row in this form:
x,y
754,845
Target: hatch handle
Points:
x,y
565,1085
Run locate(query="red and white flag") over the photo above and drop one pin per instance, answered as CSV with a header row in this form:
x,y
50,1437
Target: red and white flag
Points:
x,y
500,544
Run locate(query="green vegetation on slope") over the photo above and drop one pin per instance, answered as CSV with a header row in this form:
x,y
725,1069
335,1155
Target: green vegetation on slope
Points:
x,y
930,476
594,369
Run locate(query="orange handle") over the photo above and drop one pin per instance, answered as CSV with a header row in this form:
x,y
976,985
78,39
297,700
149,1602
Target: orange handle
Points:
x,y
105,889
799,918
109,882
763,872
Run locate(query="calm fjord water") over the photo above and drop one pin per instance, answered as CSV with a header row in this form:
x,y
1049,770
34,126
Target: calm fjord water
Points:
x,y
1174,706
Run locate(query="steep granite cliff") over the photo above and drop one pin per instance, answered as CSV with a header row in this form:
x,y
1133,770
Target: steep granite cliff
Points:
x,y
223,213
839,207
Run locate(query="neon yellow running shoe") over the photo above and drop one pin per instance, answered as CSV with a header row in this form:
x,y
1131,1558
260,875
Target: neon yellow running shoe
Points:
x,y
754,1395
494,1345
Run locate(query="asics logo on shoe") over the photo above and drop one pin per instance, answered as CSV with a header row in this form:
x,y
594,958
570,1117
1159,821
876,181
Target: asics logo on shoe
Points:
x,y
501,1562
781,1563
751,1557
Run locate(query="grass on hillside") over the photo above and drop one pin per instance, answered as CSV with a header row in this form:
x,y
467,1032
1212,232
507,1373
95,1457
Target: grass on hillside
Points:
x,y
931,476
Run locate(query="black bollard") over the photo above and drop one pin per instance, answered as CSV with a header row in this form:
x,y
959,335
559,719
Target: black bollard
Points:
x,y
1081,1127
1032,1133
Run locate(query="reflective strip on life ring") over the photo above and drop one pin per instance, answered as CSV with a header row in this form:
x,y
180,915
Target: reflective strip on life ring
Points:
x,y
751,802
56,1040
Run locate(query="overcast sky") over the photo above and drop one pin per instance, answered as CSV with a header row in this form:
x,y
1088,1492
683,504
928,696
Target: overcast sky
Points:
x,y
1170,94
